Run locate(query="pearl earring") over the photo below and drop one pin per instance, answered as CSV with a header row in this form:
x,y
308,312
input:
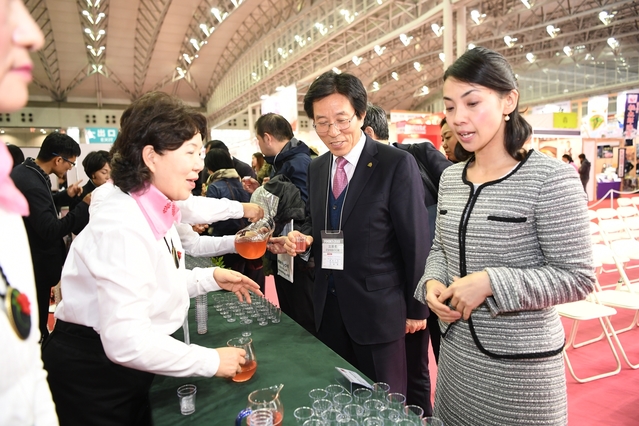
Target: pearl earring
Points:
x,y
506,117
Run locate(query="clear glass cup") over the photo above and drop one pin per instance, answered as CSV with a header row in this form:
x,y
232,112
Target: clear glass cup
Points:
x,y
341,400
396,401
250,242
302,414
362,395
354,411
276,315
380,391
314,422
322,405
331,415
186,395
432,421
414,412
373,407
247,324
261,417
390,415
316,394
334,390
373,421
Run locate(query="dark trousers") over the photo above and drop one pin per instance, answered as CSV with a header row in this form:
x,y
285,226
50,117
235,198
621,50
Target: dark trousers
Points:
x,y
383,362
435,334
295,298
418,376
43,294
89,389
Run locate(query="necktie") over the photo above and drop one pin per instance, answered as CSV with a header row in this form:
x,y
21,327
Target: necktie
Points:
x,y
340,180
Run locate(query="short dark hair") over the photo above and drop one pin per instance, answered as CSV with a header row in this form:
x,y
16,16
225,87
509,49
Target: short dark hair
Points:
x,y
16,154
344,84
216,144
58,144
567,157
156,119
275,125
218,159
581,157
441,123
485,67
94,161
376,119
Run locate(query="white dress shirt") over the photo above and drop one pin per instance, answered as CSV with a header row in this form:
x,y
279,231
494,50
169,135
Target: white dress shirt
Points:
x,y
198,210
25,398
122,282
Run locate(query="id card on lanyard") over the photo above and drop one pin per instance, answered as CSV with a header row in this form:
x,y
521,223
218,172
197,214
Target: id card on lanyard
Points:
x,y
333,250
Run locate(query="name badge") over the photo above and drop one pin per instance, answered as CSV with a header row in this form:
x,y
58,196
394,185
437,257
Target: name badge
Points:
x,y
333,250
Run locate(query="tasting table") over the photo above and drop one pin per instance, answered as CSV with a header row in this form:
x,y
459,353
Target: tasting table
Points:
x,y
286,354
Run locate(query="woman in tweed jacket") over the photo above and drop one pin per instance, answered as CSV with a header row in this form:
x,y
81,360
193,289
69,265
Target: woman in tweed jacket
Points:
x,y
512,240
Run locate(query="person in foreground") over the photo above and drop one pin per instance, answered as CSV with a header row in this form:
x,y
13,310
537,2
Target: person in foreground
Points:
x,y
25,398
512,241
125,289
366,198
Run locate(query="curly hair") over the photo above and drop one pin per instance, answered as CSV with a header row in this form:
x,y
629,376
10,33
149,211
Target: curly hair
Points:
x,y
156,119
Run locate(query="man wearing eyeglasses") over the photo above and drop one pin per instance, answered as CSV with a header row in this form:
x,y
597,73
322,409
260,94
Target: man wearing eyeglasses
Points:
x,y
368,227
45,230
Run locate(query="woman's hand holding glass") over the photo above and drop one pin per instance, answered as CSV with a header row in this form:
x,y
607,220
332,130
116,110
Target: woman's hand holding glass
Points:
x,y
467,293
231,360
236,283
253,212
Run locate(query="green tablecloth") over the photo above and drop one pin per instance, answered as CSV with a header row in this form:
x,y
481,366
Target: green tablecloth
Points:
x,y
285,352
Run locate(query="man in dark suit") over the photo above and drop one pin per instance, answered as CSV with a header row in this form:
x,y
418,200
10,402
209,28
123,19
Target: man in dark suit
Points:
x,y
44,229
368,227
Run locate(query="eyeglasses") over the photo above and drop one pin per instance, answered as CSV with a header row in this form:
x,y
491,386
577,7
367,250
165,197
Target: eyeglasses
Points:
x,y
64,158
323,128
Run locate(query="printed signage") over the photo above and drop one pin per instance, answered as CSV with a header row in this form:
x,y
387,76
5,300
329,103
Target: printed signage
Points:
x,y
630,117
101,135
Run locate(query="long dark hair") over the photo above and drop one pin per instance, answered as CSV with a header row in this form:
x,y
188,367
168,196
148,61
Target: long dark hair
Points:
x,y
156,119
485,67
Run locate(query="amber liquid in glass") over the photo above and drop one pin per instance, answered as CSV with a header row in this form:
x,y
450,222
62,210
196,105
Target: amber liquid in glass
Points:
x,y
251,249
247,371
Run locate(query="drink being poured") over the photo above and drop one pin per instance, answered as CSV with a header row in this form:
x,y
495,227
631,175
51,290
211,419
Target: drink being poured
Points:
x,y
250,242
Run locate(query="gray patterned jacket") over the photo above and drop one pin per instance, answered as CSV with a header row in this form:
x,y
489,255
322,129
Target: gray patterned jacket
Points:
x,y
529,230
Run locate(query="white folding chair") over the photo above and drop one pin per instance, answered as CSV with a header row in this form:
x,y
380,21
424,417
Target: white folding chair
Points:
x,y
592,214
624,202
613,229
605,213
635,201
585,310
595,233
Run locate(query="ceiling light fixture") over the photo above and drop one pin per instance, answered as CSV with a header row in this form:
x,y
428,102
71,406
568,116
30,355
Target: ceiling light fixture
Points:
x,y
356,60
347,16
375,86
395,76
405,39
552,31
568,50
379,49
528,4
605,17
437,29
442,57
424,91
477,17
471,46
321,28
216,12
510,41
531,57
337,70
613,43
418,66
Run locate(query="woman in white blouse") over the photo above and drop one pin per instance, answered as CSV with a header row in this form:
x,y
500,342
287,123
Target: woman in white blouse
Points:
x,y
124,286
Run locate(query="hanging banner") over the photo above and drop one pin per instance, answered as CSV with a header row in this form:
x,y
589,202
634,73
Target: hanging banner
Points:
x,y
630,116
596,121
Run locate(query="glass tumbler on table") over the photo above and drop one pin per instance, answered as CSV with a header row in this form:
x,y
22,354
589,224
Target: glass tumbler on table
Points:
x,y
249,367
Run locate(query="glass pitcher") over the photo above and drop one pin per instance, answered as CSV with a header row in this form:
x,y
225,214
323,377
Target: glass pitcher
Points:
x,y
268,398
250,242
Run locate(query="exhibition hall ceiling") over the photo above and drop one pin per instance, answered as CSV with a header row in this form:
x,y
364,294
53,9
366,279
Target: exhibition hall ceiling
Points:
x,y
224,55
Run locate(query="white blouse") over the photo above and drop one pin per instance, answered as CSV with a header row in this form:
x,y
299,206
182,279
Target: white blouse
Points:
x,y
122,282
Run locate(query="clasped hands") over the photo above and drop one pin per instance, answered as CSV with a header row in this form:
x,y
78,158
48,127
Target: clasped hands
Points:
x,y
465,295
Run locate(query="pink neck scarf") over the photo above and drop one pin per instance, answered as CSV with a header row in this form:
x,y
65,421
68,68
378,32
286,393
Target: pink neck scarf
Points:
x,y
11,199
159,211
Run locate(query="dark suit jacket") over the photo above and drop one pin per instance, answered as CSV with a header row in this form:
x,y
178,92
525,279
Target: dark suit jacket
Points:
x,y
44,229
243,169
385,225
